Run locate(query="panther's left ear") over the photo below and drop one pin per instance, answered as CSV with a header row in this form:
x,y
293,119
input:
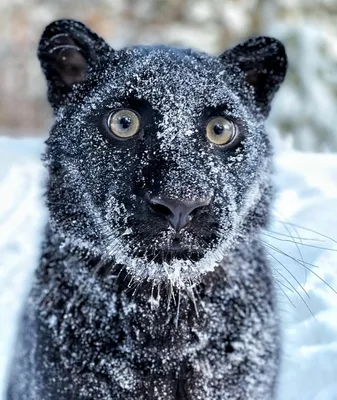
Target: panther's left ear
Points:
x,y
263,61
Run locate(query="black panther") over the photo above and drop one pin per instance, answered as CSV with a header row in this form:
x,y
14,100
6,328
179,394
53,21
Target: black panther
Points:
x,y
153,281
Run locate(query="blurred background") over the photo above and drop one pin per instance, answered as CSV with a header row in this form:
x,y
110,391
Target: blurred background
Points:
x,y
304,115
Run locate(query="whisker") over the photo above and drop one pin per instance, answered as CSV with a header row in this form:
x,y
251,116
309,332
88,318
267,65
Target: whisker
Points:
x,y
303,264
309,230
297,246
297,292
289,272
289,240
278,283
314,273
291,289
295,237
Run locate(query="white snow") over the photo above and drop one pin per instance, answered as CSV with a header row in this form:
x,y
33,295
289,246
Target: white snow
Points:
x,y
306,203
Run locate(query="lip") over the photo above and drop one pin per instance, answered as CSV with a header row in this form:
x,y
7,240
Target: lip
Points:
x,y
176,247
176,251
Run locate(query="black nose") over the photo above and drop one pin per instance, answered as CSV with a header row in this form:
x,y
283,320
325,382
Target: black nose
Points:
x,y
178,212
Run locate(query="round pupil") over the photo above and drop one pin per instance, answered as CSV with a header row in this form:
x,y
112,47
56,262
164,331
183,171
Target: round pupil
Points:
x,y
124,122
218,129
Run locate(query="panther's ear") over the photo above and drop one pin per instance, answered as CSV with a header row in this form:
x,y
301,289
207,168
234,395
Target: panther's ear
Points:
x,y
263,60
68,52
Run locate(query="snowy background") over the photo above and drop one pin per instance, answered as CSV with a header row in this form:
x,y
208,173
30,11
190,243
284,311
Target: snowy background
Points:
x,y
302,241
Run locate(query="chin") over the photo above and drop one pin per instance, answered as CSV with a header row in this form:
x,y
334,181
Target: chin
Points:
x,y
171,265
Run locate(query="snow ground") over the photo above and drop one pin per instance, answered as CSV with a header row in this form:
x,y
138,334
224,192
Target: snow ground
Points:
x,y
305,204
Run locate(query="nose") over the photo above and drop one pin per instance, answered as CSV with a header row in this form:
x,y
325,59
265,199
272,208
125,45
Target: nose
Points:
x,y
178,212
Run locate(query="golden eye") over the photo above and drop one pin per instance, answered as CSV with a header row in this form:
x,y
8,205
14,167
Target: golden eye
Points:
x,y
220,130
124,123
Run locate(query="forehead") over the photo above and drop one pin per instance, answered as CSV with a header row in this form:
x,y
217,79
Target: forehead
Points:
x,y
168,76
168,61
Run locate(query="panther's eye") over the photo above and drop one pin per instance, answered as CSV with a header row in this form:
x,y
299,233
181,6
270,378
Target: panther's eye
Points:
x,y
124,123
220,130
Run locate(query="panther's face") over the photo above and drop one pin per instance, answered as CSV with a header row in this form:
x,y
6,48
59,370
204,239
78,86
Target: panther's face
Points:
x,y
158,159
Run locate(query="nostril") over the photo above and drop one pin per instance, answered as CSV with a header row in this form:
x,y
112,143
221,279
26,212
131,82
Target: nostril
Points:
x,y
198,208
194,212
160,209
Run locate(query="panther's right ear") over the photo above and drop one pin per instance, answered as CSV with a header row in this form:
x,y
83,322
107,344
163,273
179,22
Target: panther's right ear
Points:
x,y
69,52
263,63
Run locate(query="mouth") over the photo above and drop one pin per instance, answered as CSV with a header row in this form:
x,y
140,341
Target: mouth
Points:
x,y
169,248
181,254
179,259
169,253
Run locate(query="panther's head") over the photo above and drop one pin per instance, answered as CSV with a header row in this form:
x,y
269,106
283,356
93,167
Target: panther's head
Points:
x,y
158,158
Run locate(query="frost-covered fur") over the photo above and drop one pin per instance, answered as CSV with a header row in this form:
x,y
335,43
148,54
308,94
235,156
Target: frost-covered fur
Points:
x,y
123,306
